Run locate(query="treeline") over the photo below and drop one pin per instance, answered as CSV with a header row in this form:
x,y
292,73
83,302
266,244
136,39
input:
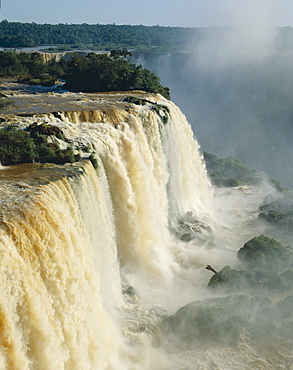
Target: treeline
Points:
x,y
22,64
111,36
87,73
106,37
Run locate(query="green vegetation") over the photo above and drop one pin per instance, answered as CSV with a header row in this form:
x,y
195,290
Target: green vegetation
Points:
x,y
39,79
267,264
93,160
231,172
88,73
28,64
16,147
26,147
264,253
97,37
111,36
279,213
103,72
162,111
221,321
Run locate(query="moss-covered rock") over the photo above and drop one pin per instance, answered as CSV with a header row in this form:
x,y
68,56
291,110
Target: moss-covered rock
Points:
x,y
45,129
231,280
218,320
279,214
266,254
221,321
229,171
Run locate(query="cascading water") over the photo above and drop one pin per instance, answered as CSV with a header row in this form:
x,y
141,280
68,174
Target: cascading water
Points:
x,y
92,260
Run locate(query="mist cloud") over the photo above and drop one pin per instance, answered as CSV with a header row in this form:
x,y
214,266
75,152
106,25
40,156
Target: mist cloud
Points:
x,y
247,33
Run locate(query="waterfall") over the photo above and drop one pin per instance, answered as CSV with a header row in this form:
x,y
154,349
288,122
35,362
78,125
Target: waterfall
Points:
x,y
95,255
72,237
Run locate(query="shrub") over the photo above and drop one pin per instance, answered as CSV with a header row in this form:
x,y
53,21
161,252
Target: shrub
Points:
x,y
16,147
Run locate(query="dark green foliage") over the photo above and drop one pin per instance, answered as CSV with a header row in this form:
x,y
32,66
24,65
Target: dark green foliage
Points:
x,y
27,147
279,214
20,64
39,79
101,72
88,73
264,253
120,54
49,152
16,147
229,171
98,36
278,185
94,161
162,111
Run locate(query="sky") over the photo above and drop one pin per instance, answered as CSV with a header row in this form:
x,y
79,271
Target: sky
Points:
x,y
184,13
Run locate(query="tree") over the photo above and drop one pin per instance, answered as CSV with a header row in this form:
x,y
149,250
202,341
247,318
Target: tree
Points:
x,y
102,72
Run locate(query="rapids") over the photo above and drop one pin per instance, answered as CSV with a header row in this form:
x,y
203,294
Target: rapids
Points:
x,y
92,259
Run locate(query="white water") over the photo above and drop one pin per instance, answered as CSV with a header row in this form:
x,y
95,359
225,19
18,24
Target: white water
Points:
x,y
70,247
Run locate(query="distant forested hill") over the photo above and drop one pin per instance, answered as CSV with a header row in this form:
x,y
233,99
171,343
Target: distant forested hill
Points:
x,y
108,37
111,36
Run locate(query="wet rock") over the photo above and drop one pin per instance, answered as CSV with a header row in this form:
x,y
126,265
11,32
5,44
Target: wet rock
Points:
x,y
185,237
263,253
231,280
45,129
218,320
221,321
189,228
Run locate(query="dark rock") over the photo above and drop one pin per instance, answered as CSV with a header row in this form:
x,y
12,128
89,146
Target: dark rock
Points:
x,y
44,129
231,280
266,254
185,237
218,320
271,216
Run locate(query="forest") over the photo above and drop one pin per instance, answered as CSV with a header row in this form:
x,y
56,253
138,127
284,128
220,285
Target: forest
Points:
x,y
99,36
87,73
112,36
